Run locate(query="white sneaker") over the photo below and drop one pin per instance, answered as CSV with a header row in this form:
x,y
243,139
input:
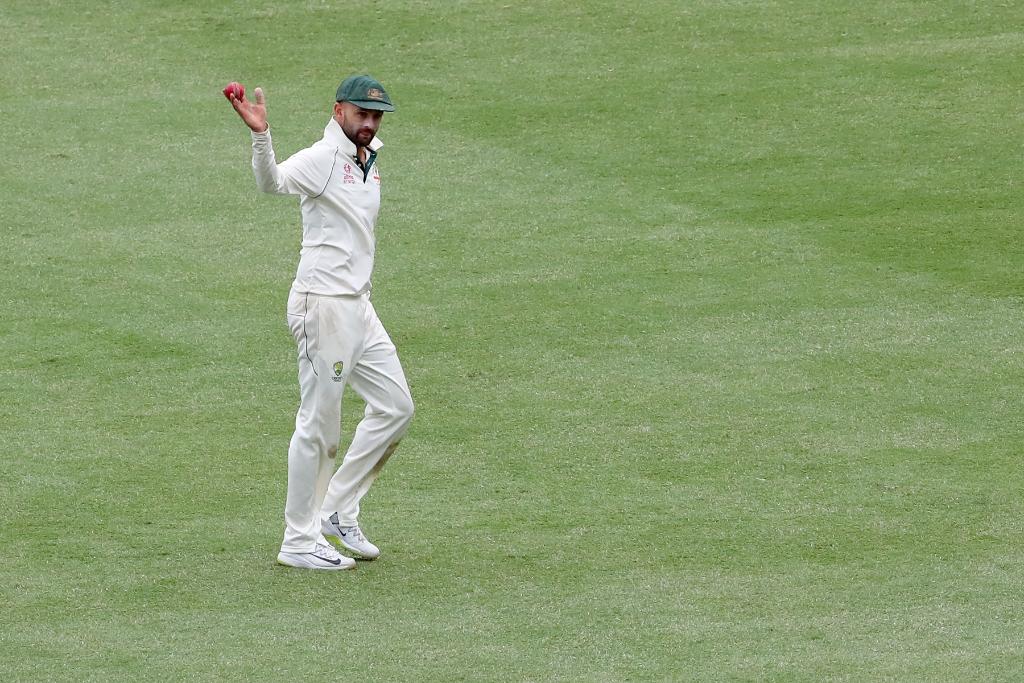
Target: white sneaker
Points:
x,y
349,538
324,556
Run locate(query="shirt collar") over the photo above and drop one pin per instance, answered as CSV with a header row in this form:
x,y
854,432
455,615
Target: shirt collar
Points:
x,y
336,136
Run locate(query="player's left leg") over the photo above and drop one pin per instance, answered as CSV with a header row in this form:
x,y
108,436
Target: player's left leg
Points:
x,y
379,380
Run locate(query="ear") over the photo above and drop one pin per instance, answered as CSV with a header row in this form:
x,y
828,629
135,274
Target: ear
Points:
x,y
339,113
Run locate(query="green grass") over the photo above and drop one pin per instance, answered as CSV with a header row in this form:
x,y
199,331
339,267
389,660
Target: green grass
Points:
x,y
712,312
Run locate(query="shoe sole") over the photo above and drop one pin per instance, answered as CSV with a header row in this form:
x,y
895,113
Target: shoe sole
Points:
x,y
346,549
341,567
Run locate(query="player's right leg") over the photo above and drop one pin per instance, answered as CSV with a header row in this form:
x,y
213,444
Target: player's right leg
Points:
x,y
314,444
323,556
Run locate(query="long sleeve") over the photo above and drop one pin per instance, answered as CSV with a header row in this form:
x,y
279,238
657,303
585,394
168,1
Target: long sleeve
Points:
x,y
303,173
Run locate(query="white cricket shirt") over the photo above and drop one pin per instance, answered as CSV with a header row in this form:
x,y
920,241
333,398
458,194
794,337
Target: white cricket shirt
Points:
x,y
339,202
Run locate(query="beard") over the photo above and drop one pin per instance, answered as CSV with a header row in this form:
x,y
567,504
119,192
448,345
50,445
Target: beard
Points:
x,y
360,137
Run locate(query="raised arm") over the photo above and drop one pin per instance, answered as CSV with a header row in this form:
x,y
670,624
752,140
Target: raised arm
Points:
x,y
302,173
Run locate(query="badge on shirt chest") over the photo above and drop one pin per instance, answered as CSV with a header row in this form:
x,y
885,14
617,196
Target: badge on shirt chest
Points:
x,y
348,178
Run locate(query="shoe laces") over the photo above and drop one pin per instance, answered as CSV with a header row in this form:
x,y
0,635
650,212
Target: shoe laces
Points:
x,y
356,533
327,550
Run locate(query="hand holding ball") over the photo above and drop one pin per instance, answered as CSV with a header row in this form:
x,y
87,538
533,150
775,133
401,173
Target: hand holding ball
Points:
x,y
253,112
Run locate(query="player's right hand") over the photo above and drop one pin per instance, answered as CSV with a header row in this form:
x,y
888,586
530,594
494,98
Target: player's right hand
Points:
x,y
253,113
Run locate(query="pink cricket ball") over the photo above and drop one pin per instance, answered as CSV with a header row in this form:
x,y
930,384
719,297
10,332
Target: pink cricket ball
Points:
x,y
234,88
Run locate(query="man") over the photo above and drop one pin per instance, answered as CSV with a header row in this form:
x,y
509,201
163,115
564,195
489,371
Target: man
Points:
x,y
341,342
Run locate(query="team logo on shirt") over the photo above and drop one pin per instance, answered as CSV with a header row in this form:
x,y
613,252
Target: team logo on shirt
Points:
x,y
339,368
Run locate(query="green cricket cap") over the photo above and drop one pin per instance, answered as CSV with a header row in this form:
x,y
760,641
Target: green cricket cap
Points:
x,y
365,92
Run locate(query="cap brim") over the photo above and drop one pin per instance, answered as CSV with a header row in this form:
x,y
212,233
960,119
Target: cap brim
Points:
x,y
372,104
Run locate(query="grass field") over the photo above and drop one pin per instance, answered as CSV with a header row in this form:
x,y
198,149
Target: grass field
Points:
x,y
713,313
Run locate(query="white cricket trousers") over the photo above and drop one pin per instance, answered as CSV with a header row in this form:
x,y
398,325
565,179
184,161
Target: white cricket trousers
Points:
x,y
341,342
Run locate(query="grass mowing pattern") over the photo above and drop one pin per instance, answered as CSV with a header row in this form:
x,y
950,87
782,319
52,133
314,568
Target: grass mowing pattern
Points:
x,y
712,312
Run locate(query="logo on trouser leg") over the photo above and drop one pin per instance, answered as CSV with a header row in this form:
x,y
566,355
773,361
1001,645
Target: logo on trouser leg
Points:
x,y
339,367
